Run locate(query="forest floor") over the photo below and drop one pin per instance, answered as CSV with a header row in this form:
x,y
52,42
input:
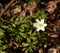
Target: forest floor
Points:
x,y
14,8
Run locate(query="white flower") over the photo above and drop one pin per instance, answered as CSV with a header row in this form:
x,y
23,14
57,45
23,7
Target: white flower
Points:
x,y
40,25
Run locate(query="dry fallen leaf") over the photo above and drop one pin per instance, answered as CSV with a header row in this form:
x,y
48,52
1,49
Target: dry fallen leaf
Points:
x,y
52,5
52,50
41,50
55,49
30,8
23,13
16,10
54,35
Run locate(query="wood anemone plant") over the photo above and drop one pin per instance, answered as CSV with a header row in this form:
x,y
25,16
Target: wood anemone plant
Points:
x,y
21,33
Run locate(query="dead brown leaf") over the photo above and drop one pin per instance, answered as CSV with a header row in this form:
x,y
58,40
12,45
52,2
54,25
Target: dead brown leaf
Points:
x,y
30,8
16,10
52,5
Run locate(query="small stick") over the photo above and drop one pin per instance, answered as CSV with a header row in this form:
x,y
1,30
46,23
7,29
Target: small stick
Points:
x,y
7,6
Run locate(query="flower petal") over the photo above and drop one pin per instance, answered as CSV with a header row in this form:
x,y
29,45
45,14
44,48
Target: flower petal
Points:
x,y
45,25
35,24
43,29
37,29
37,20
42,21
40,25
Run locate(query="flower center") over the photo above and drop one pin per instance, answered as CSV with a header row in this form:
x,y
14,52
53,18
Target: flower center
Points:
x,y
40,25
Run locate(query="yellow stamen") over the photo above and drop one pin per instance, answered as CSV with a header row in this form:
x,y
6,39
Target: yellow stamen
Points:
x,y
40,25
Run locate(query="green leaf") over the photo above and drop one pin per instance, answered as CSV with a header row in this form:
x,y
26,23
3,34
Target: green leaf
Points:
x,y
21,29
28,40
25,25
16,23
34,47
40,44
17,38
1,41
34,38
35,42
21,19
42,11
24,49
23,35
25,20
30,32
1,33
2,52
34,33
30,49
25,44
38,1
44,16
4,47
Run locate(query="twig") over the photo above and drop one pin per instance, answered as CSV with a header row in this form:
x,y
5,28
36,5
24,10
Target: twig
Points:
x,y
7,6
13,44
